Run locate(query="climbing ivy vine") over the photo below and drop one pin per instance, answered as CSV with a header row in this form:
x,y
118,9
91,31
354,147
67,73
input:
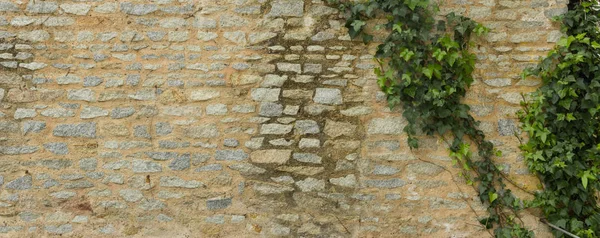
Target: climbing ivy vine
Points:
x,y
426,68
562,120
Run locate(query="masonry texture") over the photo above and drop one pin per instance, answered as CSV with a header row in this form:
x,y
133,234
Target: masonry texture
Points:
x,y
247,118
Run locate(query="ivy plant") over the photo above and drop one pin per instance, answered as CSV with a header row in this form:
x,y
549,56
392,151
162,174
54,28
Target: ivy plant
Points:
x,y
426,68
562,120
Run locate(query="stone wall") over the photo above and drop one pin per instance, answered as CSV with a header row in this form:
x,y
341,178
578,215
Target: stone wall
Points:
x,y
223,118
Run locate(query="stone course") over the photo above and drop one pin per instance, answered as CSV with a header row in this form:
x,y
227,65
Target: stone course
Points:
x,y
249,118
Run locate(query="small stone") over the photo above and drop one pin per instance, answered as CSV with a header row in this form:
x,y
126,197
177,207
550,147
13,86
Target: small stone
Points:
x,y
143,166
163,128
81,130
131,195
270,156
122,112
254,143
22,183
137,9
33,127
385,170
216,109
389,183
230,155
218,203
176,182
203,95
63,194
286,8
275,129
231,142
268,189
41,7
336,129
270,109
21,113
386,126
238,37
89,112
85,94
309,143
59,230
69,79
329,96
307,158
76,8
311,184
499,82
303,127
58,148
180,163
8,7
88,164
258,37
203,131
57,112
265,94
247,169
210,167
507,127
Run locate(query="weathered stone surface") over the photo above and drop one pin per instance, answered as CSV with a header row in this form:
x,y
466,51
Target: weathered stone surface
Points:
x,y
131,195
33,127
389,183
203,95
21,113
275,129
269,189
265,94
76,8
386,126
176,182
247,169
138,9
269,109
303,127
347,181
286,8
270,156
425,168
89,112
507,127
81,130
311,184
144,166
41,7
307,158
329,96
58,148
231,155
181,162
336,129
202,131
22,183
218,203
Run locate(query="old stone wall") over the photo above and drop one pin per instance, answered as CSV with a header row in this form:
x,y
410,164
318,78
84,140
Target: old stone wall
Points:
x,y
224,118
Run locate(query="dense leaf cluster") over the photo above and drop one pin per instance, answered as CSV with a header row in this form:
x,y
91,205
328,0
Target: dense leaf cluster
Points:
x,y
563,123
426,67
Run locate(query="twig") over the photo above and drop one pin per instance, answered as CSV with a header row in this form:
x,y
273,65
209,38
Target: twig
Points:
x,y
558,228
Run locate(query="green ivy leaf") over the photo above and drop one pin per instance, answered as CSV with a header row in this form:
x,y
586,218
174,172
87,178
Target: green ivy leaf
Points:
x,y
358,24
492,196
427,72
